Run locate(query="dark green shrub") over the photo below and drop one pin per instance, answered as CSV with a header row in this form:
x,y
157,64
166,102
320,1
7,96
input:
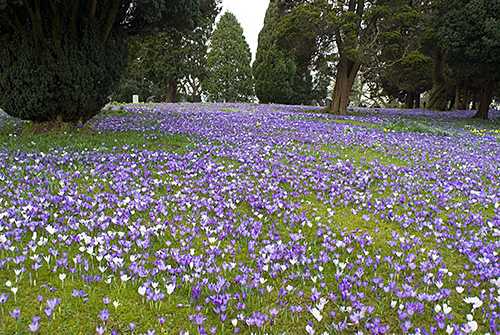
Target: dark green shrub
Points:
x,y
67,81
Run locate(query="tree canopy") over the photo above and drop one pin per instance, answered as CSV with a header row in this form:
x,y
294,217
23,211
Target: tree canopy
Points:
x,y
60,60
166,63
469,34
290,64
229,76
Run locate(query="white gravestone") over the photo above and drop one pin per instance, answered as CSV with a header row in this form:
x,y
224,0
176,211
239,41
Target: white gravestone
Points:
x,y
135,99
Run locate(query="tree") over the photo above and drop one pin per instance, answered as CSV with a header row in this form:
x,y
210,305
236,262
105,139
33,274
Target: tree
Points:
x,y
273,70
173,61
60,60
469,34
290,64
357,26
401,70
229,71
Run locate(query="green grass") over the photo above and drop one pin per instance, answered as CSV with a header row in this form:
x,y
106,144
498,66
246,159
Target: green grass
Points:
x,y
417,127
230,110
361,155
77,317
25,139
115,112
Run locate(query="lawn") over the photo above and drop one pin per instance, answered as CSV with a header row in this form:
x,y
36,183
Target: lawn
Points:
x,y
226,219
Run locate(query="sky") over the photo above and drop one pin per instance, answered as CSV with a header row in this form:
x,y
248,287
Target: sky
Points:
x,y
251,14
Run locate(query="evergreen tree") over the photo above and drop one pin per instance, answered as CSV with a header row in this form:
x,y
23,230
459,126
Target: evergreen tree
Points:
x,y
289,64
469,33
229,71
274,70
401,70
171,62
60,60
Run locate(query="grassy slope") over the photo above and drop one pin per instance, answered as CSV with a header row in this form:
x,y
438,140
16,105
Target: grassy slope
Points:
x,y
78,317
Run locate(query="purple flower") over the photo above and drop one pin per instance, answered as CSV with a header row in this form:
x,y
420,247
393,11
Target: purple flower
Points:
x,y
100,330
15,313
34,326
197,319
131,326
3,298
104,315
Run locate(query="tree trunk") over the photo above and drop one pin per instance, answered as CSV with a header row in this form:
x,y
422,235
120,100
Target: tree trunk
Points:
x,y
452,103
467,99
461,97
347,71
417,100
172,90
485,99
438,99
409,100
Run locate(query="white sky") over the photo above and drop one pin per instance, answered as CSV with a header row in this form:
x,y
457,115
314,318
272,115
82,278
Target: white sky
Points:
x,y
251,14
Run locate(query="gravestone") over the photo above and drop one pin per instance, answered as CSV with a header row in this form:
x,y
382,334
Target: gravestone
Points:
x,y
135,99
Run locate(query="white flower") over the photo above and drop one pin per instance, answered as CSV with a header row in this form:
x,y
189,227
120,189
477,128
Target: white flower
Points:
x,y
310,330
142,290
8,283
51,230
170,288
124,277
234,322
317,314
116,303
473,326
14,290
62,276
437,308
446,309
474,301
322,303
459,289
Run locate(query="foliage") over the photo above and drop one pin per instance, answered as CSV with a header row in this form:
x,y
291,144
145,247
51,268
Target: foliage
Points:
x,y
469,31
165,62
61,59
145,89
403,70
229,72
353,31
66,84
290,67
273,70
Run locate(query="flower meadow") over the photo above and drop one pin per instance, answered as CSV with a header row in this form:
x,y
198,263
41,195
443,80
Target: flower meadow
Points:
x,y
252,219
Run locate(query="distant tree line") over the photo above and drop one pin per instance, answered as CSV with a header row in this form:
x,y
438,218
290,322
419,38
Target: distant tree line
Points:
x,y
63,60
396,49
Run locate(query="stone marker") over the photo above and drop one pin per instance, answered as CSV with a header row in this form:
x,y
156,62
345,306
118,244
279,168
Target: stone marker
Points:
x,y
135,99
